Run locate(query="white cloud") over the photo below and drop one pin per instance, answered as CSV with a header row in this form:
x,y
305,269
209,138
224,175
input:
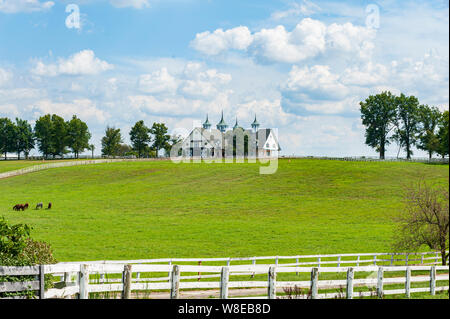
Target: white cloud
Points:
x,y
5,76
83,108
238,38
15,6
159,81
296,9
137,4
308,39
81,63
9,110
315,82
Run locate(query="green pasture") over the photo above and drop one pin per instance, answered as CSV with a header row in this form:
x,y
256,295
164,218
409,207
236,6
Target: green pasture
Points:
x,y
136,210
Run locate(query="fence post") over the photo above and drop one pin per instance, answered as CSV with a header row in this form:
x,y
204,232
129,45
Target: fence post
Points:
x,y
224,283
380,282
406,259
350,276
314,282
392,259
253,263
84,281
199,273
175,282
375,260
170,273
272,283
41,282
421,258
357,261
408,282
437,258
296,261
126,282
318,262
339,261
433,280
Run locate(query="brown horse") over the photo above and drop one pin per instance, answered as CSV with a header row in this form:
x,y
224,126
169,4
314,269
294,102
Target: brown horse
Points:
x,y
25,206
19,207
49,206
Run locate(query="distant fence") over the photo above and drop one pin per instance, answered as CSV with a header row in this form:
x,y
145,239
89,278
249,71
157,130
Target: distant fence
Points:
x,y
84,280
373,159
40,167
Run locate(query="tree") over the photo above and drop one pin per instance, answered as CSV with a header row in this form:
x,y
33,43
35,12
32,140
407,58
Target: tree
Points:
x,y
378,114
407,122
443,135
124,150
43,134
78,135
174,139
111,141
140,137
59,136
428,140
92,149
425,220
24,138
160,136
7,136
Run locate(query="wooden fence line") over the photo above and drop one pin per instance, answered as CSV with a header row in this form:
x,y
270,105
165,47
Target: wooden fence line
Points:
x,y
40,167
83,287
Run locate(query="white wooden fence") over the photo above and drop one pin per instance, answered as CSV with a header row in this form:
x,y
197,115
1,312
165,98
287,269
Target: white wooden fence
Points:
x,y
84,280
40,167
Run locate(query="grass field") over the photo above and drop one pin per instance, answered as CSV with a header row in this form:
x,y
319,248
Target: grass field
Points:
x,y
141,210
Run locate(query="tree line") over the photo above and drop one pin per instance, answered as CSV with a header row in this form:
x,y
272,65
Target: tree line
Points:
x,y
53,136
145,141
402,119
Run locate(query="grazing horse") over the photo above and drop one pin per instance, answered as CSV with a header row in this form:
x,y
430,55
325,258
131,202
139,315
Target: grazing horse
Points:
x,y
39,205
25,206
49,206
17,207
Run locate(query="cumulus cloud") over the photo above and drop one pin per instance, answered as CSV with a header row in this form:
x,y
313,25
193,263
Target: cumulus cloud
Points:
x,y
194,81
159,81
319,90
5,76
308,39
15,6
137,4
218,41
82,63
83,108
296,9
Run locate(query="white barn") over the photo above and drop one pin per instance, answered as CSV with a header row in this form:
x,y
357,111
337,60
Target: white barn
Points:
x,y
206,142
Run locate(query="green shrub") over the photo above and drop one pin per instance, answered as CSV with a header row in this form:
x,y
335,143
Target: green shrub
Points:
x,y
17,248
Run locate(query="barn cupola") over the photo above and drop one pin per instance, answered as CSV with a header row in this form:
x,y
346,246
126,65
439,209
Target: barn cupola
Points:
x,y
207,125
255,125
222,126
236,125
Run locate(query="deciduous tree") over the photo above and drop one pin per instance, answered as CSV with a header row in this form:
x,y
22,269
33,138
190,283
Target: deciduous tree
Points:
x,y
140,137
111,141
425,219
378,114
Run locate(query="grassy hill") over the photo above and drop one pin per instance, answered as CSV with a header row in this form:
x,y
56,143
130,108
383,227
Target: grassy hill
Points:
x,y
160,209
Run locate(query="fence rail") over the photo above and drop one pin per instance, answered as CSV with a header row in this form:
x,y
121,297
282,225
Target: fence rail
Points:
x,y
83,280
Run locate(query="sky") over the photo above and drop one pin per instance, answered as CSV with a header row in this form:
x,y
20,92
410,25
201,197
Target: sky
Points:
x,y
301,67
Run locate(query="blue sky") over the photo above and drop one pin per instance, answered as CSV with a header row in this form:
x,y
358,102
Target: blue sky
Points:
x,y
301,66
